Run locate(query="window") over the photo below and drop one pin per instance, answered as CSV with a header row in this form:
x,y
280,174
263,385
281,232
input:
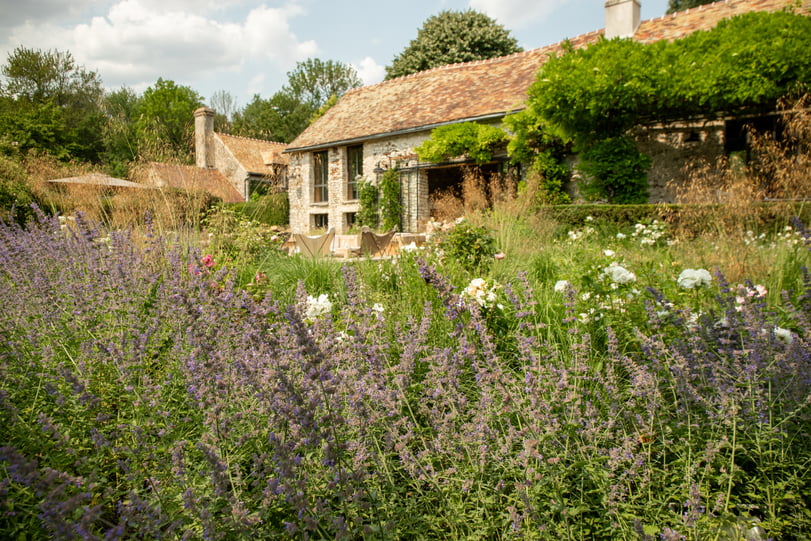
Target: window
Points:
x,y
354,163
320,221
320,177
349,220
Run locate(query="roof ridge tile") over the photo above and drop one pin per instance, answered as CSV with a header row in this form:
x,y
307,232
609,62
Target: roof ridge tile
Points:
x,y
251,138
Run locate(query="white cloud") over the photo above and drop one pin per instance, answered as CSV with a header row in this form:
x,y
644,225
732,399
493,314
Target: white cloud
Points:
x,y
369,71
137,41
515,14
17,12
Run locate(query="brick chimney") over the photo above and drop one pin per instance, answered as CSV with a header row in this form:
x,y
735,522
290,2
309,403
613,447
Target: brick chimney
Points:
x,y
203,140
621,18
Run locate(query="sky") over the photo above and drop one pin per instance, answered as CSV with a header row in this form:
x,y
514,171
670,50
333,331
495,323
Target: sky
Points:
x,y
247,47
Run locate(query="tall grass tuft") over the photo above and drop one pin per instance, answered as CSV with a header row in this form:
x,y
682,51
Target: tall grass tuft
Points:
x,y
146,395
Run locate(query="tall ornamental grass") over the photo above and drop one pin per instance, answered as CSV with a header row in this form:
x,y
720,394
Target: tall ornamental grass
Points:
x,y
145,395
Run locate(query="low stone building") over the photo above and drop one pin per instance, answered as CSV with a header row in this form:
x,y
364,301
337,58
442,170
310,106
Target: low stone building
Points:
x,y
230,168
373,128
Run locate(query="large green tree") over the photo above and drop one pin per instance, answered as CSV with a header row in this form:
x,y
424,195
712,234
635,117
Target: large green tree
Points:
x,y
166,120
120,135
314,81
280,118
225,106
312,86
680,5
49,103
452,37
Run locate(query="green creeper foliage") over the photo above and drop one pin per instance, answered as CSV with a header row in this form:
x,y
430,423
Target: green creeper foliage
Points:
x,y
744,64
613,169
476,141
368,204
391,209
544,152
587,96
451,37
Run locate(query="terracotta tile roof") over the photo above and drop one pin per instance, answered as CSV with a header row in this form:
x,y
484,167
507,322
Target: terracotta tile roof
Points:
x,y
254,154
683,23
188,177
486,88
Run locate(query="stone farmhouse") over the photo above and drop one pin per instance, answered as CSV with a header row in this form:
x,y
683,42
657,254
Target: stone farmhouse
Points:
x,y
373,128
230,168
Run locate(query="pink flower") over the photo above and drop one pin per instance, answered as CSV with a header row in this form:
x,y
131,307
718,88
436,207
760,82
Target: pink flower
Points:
x,y
500,255
207,261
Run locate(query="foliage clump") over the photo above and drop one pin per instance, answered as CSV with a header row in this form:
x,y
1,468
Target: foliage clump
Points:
x,y
743,65
615,170
451,37
368,204
471,246
391,209
477,142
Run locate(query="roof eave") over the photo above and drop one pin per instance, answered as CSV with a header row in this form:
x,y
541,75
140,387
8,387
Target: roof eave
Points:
x,y
405,131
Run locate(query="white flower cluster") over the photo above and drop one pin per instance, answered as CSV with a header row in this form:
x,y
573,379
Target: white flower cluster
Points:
x,y
480,292
789,236
783,335
693,278
579,234
648,235
751,238
617,274
317,307
561,286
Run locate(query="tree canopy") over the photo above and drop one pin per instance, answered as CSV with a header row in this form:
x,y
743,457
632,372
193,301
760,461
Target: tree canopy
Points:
x,y
680,5
313,85
48,102
452,37
166,118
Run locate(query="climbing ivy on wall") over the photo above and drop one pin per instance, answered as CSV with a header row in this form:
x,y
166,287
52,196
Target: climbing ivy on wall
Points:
x,y
368,206
589,95
391,208
479,142
744,64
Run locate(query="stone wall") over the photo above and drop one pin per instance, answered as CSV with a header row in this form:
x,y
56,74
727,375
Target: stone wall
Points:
x,y
672,149
383,153
675,150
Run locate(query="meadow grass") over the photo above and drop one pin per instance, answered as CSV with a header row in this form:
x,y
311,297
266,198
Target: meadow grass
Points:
x,y
154,390
594,381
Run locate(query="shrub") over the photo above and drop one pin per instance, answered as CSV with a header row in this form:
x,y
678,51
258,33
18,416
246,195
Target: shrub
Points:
x,y
470,246
270,209
614,170
368,204
391,210
16,195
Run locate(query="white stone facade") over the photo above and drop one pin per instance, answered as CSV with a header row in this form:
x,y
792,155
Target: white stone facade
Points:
x,y
307,215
